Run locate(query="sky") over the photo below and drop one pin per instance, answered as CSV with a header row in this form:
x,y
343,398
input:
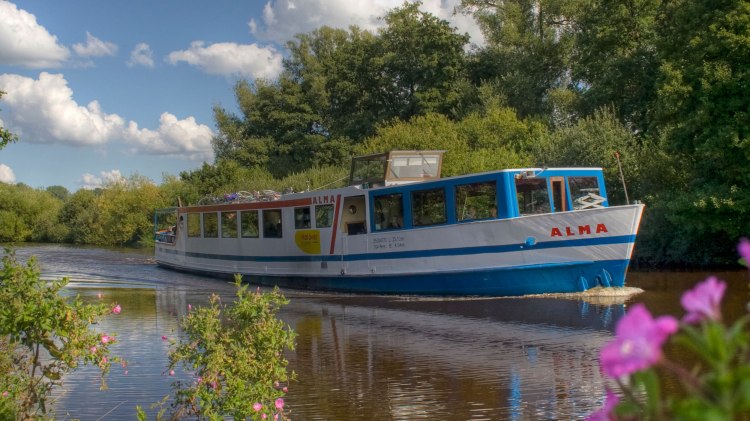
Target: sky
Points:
x,y
98,90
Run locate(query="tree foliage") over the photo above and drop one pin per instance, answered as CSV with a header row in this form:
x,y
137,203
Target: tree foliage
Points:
x,y
6,136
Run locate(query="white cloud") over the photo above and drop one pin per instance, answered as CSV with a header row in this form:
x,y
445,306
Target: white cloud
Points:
x,y
173,137
90,181
6,175
24,42
95,47
228,58
283,19
141,56
44,111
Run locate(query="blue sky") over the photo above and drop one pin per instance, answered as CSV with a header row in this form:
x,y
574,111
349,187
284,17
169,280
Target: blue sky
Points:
x,y
101,90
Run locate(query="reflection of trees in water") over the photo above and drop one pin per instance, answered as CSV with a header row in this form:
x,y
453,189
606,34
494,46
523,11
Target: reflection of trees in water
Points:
x,y
391,364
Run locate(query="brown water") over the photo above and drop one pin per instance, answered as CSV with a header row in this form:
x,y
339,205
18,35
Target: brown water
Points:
x,y
370,357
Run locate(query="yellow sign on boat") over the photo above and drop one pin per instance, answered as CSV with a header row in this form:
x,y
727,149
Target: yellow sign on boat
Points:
x,y
308,241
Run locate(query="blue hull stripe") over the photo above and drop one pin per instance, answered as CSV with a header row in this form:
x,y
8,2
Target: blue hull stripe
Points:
x,y
506,248
536,279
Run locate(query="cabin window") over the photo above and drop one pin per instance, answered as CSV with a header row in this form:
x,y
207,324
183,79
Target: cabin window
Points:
x,y
210,225
476,201
418,166
272,223
194,225
302,218
389,212
428,207
249,224
229,225
584,192
323,216
532,196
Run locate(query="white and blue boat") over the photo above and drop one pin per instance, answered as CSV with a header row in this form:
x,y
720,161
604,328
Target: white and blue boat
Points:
x,y
398,228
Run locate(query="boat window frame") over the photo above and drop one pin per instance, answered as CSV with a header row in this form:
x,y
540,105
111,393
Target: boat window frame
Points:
x,y
478,214
223,225
414,203
279,225
194,229
540,181
243,226
302,223
393,225
210,215
330,213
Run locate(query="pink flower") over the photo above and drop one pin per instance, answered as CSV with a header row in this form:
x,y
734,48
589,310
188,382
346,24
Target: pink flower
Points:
x,y
264,416
117,309
604,413
744,249
171,372
5,393
279,403
257,406
638,342
163,338
92,350
703,301
106,339
285,389
190,307
104,360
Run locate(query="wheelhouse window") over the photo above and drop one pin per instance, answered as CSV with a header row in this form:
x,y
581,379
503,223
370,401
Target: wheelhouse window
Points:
x,y
210,225
389,212
476,201
272,223
194,225
585,192
302,218
323,216
249,224
229,225
532,196
428,207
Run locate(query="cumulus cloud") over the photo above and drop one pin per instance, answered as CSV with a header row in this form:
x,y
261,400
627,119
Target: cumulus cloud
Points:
x,y
282,19
6,175
95,47
173,136
141,56
24,42
43,111
228,58
90,181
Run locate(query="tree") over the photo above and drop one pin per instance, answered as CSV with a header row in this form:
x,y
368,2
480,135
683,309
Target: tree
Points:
x,y
615,61
6,137
529,43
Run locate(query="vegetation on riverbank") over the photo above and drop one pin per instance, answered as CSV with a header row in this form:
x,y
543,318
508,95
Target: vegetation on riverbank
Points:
x,y
664,84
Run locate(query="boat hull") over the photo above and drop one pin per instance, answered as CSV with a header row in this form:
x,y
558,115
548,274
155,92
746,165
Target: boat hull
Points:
x,y
550,253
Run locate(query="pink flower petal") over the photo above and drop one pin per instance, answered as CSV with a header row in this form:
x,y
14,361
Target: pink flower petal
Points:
x,y
116,309
609,405
279,403
257,406
744,249
703,302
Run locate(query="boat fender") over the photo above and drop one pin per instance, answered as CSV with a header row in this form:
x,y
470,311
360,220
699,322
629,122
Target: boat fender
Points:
x,y
583,284
605,279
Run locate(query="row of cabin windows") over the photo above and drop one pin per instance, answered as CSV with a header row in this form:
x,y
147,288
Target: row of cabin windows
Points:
x,y
475,201
247,224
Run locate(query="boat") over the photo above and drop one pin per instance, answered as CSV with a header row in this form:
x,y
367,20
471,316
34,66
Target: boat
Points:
x,y
399,228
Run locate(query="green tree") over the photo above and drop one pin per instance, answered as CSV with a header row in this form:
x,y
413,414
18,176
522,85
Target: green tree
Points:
x,y
701,113
6,136
59,192
81,216
616,61
28,214
529,44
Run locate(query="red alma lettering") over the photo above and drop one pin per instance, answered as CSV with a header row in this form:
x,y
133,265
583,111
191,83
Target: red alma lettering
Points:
x,y
582,230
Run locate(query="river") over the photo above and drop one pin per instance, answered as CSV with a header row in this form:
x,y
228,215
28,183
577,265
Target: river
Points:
x,y
368,357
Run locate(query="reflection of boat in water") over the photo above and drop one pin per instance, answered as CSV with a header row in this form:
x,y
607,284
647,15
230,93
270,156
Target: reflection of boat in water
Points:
x,y
506,358
400,228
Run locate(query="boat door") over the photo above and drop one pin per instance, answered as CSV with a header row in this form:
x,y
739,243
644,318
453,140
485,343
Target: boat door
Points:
x,y
353,226
559,196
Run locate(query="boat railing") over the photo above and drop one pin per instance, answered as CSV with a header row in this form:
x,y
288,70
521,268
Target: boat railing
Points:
x,y
167,236
241,197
